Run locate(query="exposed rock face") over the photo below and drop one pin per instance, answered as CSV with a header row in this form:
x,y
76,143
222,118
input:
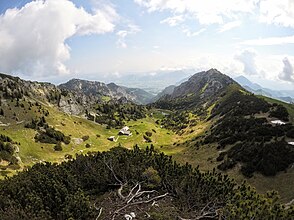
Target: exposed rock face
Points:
x,y
85,87
99,91
70,106
14,87
73,97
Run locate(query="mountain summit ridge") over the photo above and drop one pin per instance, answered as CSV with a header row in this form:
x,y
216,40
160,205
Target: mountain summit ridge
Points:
x,y
110,90
202,87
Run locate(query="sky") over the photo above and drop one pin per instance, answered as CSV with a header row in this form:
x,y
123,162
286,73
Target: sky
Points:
x,y
55,40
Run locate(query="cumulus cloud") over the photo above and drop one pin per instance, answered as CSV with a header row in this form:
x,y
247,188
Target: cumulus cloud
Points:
x,y
288,72
247,58
206,12
122,34
33,38
279,12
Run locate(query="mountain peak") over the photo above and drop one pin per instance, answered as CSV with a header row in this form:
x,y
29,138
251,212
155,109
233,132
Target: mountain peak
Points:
x,y
202,87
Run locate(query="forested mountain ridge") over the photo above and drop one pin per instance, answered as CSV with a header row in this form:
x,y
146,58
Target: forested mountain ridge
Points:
x,y
73,97
203,88
242,125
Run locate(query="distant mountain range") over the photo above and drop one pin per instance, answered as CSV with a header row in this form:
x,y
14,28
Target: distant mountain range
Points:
x,y
283,95
155,82
72,97
107,91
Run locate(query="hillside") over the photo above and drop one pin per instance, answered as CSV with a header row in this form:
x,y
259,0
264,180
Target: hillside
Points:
x,y
209,121
138,183
167,91
45,123
241,125
202,89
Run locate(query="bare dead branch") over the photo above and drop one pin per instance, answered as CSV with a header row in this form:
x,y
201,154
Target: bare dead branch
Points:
x,y
212,212
145,192
100,212
109,166
141,202
132,190
134,193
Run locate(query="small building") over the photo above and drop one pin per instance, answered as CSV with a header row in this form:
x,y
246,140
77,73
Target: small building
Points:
x,y
112,138
291,143
125,131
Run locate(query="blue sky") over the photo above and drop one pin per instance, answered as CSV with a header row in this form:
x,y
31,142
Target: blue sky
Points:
x,y
54,40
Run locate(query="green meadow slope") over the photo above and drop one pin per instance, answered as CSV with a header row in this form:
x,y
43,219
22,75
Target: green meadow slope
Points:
x,y
77,127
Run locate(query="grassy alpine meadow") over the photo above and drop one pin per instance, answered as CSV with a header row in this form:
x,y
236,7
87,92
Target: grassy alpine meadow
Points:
x,y
77,127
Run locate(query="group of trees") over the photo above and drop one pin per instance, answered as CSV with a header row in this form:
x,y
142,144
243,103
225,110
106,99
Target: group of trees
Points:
x,y
254,142
37,123
11,90
280,112
178,121
51,136
239,104
85,187
47,134
114,114
7,150
147,136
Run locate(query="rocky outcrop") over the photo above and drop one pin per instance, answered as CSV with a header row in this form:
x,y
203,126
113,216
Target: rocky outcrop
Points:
x,y
73,97
101,91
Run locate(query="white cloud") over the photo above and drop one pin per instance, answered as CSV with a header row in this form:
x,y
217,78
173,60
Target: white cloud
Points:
x,y
32,38
288,72
247,58
270,41
229,26
173,21
122,34
121,38
206,12
279,12
190,33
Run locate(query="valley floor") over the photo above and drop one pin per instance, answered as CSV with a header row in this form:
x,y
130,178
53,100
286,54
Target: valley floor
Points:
x,y
164,140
